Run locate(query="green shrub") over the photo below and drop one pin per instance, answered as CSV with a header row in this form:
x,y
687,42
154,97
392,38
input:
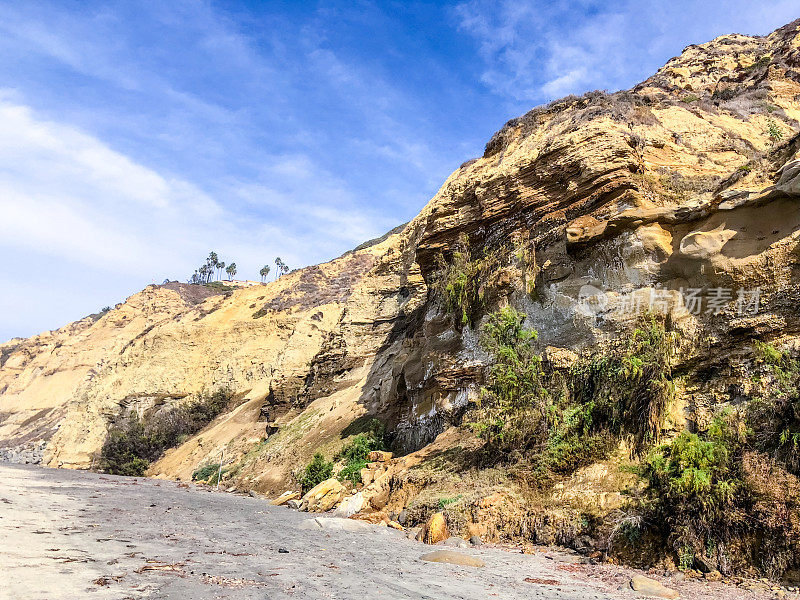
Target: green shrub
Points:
x,y
206,472
558,423
317,471
514,407
218,286
762,62
696,488
356,452
775,418
711,494
133,443
461,281
631,386
773,131
445,502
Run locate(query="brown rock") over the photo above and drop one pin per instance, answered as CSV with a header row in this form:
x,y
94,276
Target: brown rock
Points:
x,y
435,530
379,500
371,517
324,496
379,456
285,497
650,587
713,576
453,558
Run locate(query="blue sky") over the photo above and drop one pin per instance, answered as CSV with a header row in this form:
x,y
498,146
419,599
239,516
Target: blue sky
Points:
x,y
137,136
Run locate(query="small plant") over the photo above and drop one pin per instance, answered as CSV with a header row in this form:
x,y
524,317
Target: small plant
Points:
x,y
689,98
685,558
724,94
460,283
445,502
317,471
206,472
760,63
768,354
356,452
773,131
745,168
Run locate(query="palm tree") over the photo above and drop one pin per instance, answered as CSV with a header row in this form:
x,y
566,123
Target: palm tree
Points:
x,y
212,263
231,271
220,266
264,272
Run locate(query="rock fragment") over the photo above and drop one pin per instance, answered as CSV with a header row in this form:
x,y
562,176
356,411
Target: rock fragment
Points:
x,y
453,558
650,587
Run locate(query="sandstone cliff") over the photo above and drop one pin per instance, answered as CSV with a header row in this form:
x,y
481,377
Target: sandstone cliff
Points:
x,y
679,197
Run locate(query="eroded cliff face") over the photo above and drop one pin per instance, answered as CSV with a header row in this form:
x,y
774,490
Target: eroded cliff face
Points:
x,y
592,209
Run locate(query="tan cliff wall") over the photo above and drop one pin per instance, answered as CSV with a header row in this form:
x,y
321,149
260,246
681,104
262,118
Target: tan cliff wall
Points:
x,y
591,205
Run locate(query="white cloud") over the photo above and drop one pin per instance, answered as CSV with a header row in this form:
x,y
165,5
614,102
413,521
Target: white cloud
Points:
x,y
65,193
535,50
67,196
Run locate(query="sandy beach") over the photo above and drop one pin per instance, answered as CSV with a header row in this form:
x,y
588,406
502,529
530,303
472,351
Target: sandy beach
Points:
x,y
72,534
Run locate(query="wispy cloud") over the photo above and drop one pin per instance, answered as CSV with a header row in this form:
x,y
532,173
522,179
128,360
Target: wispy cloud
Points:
x,y
534,51
136,136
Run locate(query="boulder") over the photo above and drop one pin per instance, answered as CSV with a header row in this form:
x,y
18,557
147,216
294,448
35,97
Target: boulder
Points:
x,y
453,558
379,500
333,524
435,530
366,476
372,517
379,456
650,587
295,504
323,496
350,506
285,497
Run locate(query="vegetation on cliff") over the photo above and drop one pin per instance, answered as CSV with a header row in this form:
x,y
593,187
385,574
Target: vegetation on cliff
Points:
x,y
355,453
558,421
351,458
315,472
133,442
